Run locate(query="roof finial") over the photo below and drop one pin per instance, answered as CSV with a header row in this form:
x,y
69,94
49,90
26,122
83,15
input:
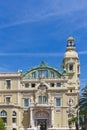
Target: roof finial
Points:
x,y
43,63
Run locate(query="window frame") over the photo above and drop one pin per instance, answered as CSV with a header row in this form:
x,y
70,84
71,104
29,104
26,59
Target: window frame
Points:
x,y
52,85
4,116
58,85
52,75
27,85
14,117
27,102
71,67
43,73
34,75
6,85
59,103
42,99
9,98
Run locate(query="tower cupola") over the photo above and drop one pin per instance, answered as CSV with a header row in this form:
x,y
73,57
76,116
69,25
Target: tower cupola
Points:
x,y
71,60
70,49
70,42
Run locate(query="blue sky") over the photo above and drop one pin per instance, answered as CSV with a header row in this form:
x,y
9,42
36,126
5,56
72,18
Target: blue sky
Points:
x,y
36,30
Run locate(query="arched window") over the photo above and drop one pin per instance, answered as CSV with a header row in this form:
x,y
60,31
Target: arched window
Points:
x,y
3,113
4,116
14,114
71,67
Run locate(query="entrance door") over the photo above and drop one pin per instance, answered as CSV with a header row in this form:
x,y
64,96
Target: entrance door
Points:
x,y
42,123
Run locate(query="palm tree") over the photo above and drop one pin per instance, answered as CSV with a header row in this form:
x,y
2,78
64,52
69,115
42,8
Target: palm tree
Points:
x,y
83,105
83,99
82,111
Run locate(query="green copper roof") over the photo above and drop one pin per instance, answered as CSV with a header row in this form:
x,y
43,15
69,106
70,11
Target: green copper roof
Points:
x,y
42,68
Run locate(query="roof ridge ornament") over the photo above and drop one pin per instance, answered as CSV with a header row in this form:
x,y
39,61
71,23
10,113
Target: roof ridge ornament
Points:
x,y
43,64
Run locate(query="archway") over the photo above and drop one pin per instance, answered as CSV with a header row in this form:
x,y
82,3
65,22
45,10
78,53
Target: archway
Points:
x,y
42,120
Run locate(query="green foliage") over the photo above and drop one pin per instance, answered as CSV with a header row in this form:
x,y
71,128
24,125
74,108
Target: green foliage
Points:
x,y
2,125
82,107
72,120
83,99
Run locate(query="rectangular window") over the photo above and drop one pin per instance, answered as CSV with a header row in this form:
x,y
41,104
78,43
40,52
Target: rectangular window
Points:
x,y
34,75
58,84
8,99
8,84
58,101
26,85
13,120
32,85
51,84
40,99
52,74
26,102
78,69
4,119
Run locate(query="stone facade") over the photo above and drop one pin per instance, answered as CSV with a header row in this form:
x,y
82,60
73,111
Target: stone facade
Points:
x,y
42,98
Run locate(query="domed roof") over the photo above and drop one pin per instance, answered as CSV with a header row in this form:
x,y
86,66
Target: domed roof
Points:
x,y
72,54
70,38
42,70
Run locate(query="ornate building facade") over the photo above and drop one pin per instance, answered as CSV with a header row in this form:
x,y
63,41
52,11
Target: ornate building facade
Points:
x,y
42,98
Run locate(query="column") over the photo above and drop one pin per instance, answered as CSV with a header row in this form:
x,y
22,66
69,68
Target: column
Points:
x,y
31,117
52,117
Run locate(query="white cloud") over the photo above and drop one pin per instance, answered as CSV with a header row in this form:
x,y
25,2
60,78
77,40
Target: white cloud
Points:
x,y
33,54
39,54
83,52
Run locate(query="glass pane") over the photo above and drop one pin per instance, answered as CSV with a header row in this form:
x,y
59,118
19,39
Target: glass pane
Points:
x,y
42,73
14,120
3,113
58,102
26,85
44,99
40,99
8,84
8,99
58,84
52,74
34,75
26,102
